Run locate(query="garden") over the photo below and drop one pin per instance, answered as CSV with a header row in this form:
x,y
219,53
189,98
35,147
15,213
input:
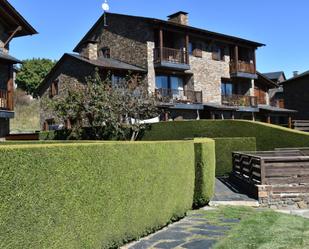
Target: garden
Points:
x,y
95,194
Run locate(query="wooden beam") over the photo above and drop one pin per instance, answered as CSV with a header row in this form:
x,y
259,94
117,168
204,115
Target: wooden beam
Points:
x,y
254,59
290,122
161,43
10,89
19,28
236,57
187,48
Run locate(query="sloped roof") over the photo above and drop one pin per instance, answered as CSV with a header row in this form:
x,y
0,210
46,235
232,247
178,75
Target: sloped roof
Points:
x,y
266,80
11,19
109,63
9,58
274,75
154,21
275,109
296,77
104,63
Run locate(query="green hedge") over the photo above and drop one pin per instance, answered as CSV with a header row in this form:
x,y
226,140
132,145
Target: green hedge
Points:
x,y
268,137
205,164
224,149
91,195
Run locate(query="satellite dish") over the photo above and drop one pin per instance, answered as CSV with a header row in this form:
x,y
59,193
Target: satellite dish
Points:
x,y
105,6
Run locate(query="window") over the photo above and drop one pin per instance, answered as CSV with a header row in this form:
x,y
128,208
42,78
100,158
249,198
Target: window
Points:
x,y
117,81
195,49
226,89
54,89
218,53
169,85
106,52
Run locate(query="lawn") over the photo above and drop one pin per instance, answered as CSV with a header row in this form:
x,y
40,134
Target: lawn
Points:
x,y
260,229
27,117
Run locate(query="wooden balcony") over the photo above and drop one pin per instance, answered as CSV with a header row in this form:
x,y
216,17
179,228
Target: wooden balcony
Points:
x,y
240,100
4,104
171,58
179,96
242,67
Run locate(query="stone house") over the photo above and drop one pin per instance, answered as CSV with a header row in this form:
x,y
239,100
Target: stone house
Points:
x,y
296,95
194,73
12,25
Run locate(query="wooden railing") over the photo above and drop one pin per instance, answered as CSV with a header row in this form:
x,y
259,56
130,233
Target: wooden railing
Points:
x,y
4,100
178,96
177,56
242,67
239,100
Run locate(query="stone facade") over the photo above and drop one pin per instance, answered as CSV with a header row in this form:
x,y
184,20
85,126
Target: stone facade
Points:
x,y
270,196
126,37
151,75
90,51
4,127
208,74
71,72
296,96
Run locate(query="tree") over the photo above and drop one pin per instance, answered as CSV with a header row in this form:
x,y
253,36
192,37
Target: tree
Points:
x,y
31,74
108,111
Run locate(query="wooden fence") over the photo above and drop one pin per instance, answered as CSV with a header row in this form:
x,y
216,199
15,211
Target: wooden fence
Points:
x,y
301,125
272,168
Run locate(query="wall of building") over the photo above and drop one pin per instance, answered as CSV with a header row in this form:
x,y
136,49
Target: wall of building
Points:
x,y
296,97
208,74
4,127
3,38
126,37
71,73
4,75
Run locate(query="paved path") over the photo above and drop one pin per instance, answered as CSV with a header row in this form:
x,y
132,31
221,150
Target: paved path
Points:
x,y
226,193
193,232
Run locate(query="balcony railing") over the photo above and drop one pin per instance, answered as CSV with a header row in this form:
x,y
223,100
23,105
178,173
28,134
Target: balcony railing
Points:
x,y
3,100
240,100
242,67
176,56
178,96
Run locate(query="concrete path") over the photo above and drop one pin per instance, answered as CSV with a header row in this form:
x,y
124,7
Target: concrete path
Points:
x,y
193,232
226,193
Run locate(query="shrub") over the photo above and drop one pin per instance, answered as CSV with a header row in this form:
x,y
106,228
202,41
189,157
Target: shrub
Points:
x,y
224,149
205,163
91,195
268,137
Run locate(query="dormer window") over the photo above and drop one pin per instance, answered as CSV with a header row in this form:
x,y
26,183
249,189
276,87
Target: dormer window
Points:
x,y
54,89
106,52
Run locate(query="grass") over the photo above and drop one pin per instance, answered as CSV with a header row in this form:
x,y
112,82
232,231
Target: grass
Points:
x,y
260,229
27,117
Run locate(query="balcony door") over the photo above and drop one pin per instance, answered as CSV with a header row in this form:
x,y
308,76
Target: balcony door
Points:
x,y
227,89
172,86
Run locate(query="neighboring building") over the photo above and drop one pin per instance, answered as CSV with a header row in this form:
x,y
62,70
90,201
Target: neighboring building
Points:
x,y
276,94
12,25
296,95
194,73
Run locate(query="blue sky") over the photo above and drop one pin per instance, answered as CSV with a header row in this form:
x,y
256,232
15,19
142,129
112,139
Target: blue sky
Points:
x,y
282,25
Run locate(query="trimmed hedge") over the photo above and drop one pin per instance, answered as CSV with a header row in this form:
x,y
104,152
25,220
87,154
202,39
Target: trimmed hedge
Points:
x,y
224,149
91,195
205,165
268,137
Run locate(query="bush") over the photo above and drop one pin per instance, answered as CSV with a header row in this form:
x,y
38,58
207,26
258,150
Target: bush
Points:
x,y
268,137
205,164
91,195
224,149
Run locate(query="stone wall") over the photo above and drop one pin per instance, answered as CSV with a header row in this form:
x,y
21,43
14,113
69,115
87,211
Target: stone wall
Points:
x,y
151,76
4,127
126,37
208,74
296,97
71,72
274,197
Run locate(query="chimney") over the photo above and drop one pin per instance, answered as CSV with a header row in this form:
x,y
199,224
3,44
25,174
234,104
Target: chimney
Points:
x,y
90,51
180,18
295,73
